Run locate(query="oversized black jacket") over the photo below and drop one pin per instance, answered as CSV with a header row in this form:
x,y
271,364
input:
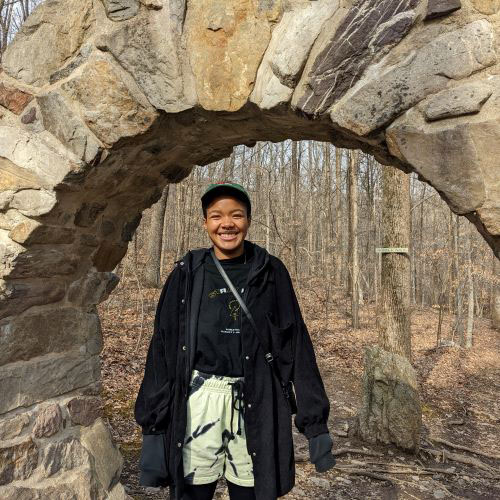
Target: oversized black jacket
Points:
x,y
161,405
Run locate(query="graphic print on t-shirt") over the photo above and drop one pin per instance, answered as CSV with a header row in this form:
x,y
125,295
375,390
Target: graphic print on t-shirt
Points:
x,y
222,300
233,306
218,349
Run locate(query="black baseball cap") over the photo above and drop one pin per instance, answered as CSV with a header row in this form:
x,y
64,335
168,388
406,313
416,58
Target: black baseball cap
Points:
x,y
230,188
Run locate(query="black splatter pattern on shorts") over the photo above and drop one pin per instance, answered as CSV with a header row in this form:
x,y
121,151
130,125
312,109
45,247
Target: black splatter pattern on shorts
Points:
x,y
200,430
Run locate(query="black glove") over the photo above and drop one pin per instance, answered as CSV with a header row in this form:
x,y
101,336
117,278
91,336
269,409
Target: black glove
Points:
x,y
320,452
152,464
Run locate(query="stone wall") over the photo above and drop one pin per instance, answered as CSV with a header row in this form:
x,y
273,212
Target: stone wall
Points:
x,y
131,95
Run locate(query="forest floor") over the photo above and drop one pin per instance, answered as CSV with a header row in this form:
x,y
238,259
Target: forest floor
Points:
x,y
459,393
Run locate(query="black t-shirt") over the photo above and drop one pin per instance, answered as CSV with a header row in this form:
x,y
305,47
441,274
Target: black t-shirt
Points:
x,y
218,347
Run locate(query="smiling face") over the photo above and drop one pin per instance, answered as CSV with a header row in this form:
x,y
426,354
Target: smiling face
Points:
x,y
227,225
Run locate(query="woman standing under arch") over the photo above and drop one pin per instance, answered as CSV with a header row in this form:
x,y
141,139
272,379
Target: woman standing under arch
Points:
x,y
229,363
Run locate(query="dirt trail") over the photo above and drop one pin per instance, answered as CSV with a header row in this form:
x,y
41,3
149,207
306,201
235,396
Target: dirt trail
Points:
x,y
459,390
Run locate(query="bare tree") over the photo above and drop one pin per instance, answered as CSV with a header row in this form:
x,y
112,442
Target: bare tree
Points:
x,y
338,217
394,312
154,242
390,410
353,237
470,287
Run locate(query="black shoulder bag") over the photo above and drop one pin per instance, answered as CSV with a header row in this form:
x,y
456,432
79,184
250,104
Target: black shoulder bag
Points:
x,y
287,388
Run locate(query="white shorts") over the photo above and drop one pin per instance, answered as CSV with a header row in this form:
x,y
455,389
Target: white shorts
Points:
x,y
215,443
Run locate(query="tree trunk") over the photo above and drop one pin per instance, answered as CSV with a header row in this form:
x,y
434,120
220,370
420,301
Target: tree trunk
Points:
x,y
495,296
470,287
295,206
394,312
420,272
458,327
154,242
353,237
391,411
338,217
181,226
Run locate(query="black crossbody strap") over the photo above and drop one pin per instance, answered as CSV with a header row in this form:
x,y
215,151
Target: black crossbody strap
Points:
x,y
229,283
287,389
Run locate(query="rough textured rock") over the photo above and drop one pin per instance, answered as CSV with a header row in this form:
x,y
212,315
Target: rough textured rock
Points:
x,y
385,93
121,10
74,485
84,411
287,52
14,100
113,106
5,199
56,331
14,178
457,156
440,8
62,456
461,100
75,62
62,25
487,6
41,262
48,421
67,126
366,30
118,492
88,213
17,461
108,256
236,32
36,155
29,117
153,4
29,232
149,50
11,428
24,384
92,289
17,296
108,461
442,153
390,397
34,201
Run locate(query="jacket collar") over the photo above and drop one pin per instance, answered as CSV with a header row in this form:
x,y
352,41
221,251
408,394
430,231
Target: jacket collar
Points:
x,y
194,258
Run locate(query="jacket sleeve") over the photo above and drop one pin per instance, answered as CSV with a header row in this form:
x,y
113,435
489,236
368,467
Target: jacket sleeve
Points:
x,y
313,406
153,400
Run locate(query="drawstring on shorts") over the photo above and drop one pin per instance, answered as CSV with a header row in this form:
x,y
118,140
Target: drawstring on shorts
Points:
x,y
237,403
220,383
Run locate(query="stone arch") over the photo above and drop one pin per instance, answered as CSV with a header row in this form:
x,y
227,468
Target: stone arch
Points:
x,y
104,102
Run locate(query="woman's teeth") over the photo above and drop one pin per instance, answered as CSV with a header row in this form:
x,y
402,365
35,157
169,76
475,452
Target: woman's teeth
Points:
x,y
227,236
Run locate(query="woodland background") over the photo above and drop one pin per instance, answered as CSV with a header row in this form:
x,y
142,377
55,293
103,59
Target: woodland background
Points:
x,y
303,213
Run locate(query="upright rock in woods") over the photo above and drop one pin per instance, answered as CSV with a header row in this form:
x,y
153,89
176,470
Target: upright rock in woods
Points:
x,y
390,411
